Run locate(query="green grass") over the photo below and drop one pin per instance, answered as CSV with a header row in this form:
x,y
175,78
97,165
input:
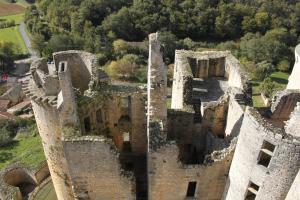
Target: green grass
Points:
x,y
26,150
18,18
281,78
12,35
46,193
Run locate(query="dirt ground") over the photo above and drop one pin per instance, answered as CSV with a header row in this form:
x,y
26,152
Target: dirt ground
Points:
x,y
10,9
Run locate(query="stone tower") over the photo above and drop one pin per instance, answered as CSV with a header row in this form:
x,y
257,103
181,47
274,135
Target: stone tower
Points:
x,y
157,108
51,115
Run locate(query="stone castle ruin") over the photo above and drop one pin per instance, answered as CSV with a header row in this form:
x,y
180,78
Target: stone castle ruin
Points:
x,y
109,141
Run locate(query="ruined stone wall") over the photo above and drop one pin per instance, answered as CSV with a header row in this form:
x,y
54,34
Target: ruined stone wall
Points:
x,y
42,173
294,192
274,180
234,118
10,180
181,126
157,108
285,103
47,120
214,116
293,126
80,64
294,83
178,81
236,76
172,178
112,125
139,125
66,104
95,170
157,81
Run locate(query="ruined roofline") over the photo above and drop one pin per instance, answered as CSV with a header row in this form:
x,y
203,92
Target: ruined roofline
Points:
x,y
201,54
205,55
44,85
271,129
92,138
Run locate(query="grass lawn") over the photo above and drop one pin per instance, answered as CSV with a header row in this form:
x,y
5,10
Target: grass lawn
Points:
x,y
46,193
10,8
18,18
281,78
26,150
12,35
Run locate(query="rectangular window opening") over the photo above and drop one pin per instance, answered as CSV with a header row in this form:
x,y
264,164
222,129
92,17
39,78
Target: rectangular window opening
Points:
x,y
267,145
266,154
87,124
191,190
252,191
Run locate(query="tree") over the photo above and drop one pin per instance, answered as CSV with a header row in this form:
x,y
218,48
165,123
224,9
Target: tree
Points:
x,y
120,48
263,70
7,55
283,66
262,21
38,42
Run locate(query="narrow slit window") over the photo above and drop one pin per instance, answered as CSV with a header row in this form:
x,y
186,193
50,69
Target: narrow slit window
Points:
x,y
87,124
62,67
266,153
191,190
252,191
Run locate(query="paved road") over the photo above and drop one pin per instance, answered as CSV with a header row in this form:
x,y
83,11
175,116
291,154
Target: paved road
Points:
x,y
26,40
22,66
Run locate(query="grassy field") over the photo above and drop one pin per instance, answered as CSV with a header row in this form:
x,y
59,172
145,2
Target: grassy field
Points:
x,y
18,18
10,8
46,193
27,151
12,35
281,78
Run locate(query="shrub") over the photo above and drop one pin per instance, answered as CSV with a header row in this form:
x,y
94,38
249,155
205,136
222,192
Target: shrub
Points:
x,y
141,74
5,138
102,59
120,48
263,70
129,67
268,87
283,66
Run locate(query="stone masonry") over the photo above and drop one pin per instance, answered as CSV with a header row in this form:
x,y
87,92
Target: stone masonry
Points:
x,y
103,140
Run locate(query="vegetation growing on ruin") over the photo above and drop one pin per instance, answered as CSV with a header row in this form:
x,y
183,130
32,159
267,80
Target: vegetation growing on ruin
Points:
x,y
20,143
277,81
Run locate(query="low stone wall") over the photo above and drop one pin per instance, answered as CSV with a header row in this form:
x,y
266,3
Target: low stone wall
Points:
x,y
266,100
12,176
39,187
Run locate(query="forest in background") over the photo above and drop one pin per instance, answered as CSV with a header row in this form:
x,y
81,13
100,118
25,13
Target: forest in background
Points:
x,y
261,33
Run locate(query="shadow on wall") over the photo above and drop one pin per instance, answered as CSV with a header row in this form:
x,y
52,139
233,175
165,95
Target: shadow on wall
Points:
x,y
21,178
237,127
